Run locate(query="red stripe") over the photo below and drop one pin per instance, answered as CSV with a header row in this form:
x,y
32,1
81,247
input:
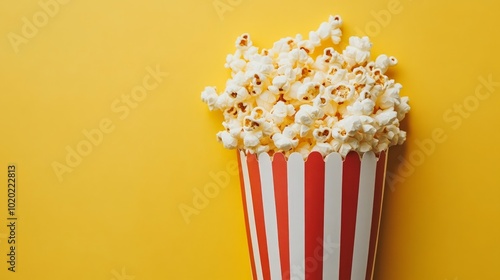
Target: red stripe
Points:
x,y
280,178
377,205
314,215
258,208
247,226
350,189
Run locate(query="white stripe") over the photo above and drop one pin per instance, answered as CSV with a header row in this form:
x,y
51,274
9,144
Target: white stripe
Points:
x,y
296,215
270,220
364,216
380,213
251,216
333,210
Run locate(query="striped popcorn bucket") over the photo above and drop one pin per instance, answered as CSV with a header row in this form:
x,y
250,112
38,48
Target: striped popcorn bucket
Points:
x,y
312,219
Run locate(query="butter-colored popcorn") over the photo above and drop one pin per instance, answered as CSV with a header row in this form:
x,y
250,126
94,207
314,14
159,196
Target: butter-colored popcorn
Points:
x,y
303,95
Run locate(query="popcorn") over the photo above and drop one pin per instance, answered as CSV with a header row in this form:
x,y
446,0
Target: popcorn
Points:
x,y
323,148
363,107
331,29
383,62
285,141
251,139
260,64
280,111
209,96
237,93
234,127
304,149
243,42
390,98
322,134
308,91
346,127
285,100
306,116
234,62
266,100
340,92
358,51
336,75
329,58
227,140
385,117
403,108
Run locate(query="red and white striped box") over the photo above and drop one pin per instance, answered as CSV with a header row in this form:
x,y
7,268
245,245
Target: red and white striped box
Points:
x,y
313,219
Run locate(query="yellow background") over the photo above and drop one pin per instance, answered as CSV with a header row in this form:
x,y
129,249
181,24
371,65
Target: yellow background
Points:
x,y
116,215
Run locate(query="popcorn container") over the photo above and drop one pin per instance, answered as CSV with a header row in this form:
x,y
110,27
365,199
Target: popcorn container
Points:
x,y
312,219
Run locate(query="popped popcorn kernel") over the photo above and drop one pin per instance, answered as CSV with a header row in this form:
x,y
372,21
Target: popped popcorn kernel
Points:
x,y
383,62
285,141
243,42
322,134
209,96
302,95
358,51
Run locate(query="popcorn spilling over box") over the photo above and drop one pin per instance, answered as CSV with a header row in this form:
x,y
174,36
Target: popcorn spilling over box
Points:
x,y
312,127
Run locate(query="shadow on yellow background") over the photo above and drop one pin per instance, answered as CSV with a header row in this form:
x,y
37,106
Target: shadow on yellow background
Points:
x,y
101,115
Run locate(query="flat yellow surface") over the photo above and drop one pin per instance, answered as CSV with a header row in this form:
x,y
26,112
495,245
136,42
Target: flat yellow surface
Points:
x,y
101,115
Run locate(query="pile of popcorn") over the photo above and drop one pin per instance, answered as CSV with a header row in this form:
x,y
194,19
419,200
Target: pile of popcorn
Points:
x,y
283,100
